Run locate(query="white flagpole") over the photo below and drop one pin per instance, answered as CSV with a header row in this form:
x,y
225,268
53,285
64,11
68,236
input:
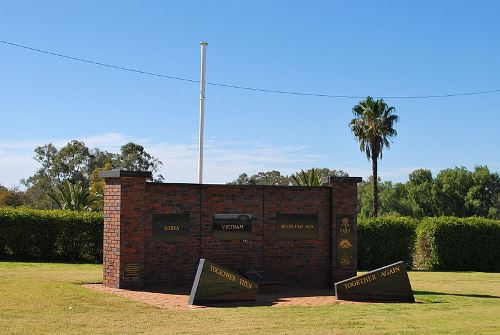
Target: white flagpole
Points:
x,y
202,112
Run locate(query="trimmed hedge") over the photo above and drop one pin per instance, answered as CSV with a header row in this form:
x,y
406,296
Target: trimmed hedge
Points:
x,y
443,243
385,240
458,244
50,235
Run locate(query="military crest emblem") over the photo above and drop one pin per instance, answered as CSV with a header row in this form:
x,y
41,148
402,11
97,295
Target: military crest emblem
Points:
x,y
345,228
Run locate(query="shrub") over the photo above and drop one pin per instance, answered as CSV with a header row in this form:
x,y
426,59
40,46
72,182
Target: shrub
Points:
x,y
50,235
458,244
385,240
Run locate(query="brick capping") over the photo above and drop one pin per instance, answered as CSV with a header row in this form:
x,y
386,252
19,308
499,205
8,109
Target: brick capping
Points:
x,y
125,173
243,186
332,179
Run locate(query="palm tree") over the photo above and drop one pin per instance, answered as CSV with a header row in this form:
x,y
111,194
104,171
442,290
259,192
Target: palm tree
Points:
x,y
72,197
373,126
311,177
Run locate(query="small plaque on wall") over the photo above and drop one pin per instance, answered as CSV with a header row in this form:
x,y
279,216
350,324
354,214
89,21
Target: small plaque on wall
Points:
x,y
131,271
297,226
345,239
232,226
171,227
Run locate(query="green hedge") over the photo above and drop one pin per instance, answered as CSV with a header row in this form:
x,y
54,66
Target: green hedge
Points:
x,y
444,243
50,235
458,244
385,240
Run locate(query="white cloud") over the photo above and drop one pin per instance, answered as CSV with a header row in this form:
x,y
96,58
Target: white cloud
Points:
x,y
14,167
224,160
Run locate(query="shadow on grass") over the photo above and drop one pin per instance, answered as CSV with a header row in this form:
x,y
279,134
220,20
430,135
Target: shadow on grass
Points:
x,y
457,294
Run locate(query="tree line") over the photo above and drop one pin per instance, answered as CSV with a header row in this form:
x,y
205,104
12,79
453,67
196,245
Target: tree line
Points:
x,y
310,177
68,177
452,192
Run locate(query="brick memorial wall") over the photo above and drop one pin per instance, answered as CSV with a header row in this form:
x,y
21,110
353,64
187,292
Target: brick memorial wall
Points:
x,y
156,233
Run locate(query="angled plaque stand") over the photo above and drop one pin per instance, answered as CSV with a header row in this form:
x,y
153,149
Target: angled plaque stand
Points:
x,y
214,284
387,284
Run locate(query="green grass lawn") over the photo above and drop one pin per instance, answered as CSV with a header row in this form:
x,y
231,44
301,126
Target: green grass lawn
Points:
x,y
39,298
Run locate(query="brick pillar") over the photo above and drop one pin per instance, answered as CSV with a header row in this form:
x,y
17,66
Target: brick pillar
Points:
x,y
124,215
344,226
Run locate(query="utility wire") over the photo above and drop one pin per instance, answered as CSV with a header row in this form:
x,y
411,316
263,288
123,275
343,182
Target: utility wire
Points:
x,y
97,63
449,95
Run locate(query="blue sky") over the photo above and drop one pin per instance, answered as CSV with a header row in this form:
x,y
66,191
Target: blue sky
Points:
x,y
381,48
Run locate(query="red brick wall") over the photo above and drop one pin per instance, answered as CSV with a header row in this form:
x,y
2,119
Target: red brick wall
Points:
x,y
298,262
344,201
130,203
132,231
111,240
169,262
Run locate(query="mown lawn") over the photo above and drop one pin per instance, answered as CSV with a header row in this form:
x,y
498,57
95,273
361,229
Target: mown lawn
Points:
x,y
38,298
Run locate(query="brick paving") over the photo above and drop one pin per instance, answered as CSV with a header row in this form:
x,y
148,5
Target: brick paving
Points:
x,y
178,300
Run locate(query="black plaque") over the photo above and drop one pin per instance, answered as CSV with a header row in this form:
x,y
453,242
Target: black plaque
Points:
x,y
214,284
297,226
389,284
131,271
171,227
232,226
345,241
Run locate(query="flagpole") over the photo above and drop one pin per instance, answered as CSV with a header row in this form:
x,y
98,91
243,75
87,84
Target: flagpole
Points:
x,y
202,112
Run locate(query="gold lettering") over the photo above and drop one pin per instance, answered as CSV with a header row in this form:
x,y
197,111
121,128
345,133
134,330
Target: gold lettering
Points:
x,y
169,228
245,283
360,281
222,273
232,227
391,271
296,226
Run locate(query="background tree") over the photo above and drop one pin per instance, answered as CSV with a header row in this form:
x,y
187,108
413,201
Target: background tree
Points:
x,y
76,163
275,177
483,196
133,157
326,172
373,126
456,192
450,189
96,187
421,194
392,198
11,197
311,177
242,179
70,196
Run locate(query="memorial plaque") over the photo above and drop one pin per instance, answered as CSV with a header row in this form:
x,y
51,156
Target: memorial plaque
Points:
x,y
345,240
214,284
389,284
232,226
171,227
297,226
131,271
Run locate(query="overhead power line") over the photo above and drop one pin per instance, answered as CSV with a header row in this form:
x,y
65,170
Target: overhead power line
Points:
x,y
256,89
